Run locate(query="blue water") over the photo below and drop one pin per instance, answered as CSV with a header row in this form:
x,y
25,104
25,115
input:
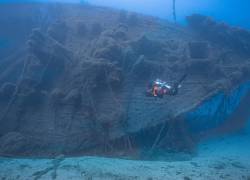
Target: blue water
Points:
x,y
213,112
3,43
233,12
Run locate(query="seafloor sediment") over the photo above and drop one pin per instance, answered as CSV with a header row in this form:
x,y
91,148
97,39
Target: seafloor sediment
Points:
x,y
224,158
73,79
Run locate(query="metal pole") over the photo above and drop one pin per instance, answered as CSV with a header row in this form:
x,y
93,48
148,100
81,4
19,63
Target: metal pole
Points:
x,y
174,11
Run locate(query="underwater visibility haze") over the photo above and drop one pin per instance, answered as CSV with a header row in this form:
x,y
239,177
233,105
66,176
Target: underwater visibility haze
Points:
x,y
122,89
231,11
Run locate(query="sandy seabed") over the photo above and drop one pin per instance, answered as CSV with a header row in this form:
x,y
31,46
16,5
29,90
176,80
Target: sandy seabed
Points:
x,y
225,158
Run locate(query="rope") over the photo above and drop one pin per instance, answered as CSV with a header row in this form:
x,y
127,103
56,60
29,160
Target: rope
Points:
x,y
157,139
14,95
17,88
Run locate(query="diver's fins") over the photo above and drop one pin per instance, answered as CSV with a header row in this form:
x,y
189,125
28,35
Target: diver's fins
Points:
x,y
177,85
181,79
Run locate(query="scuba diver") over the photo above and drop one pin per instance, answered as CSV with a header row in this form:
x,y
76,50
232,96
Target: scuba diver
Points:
x,y
159,88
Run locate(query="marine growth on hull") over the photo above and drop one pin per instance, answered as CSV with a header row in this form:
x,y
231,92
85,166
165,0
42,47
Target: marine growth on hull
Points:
x,y
74,81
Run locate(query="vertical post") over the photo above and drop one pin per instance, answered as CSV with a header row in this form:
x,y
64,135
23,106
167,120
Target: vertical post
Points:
x,y
174,11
